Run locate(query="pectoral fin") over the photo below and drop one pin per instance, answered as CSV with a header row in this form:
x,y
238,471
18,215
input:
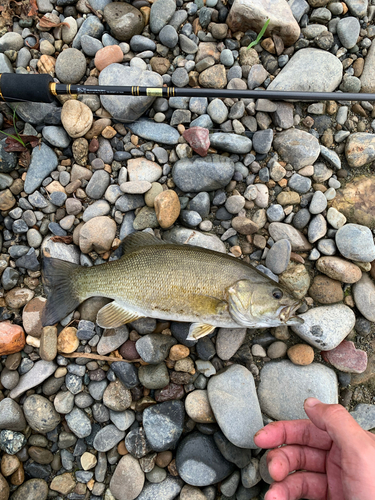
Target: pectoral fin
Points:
x,y
198,330
114,315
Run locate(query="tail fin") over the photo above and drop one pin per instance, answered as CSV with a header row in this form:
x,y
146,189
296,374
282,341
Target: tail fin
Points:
x,y
62,297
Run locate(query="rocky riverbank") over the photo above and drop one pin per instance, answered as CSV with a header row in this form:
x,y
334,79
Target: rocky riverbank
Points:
x,y
286,187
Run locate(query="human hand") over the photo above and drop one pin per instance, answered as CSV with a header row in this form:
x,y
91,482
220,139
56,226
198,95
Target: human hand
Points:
x,y
336,455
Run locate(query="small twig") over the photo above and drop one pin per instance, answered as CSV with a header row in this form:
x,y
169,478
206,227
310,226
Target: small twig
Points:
x,y
90,355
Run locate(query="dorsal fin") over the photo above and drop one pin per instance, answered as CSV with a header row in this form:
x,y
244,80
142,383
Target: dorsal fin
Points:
x,y
137,240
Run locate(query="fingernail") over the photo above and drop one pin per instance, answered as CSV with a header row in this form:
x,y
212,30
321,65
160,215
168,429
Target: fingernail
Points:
x,y
311,402
257,433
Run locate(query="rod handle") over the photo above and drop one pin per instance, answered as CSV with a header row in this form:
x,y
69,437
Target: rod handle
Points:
x,y
17,87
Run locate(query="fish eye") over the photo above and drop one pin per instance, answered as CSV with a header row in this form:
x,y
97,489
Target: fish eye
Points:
x,y
277,294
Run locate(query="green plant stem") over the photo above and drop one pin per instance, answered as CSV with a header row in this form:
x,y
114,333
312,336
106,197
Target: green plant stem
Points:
x,y
259,37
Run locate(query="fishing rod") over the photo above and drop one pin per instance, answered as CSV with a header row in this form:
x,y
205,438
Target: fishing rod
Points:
x,y
42,88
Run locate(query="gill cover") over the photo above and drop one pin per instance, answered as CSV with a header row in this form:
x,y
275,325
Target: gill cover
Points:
x,y
239,300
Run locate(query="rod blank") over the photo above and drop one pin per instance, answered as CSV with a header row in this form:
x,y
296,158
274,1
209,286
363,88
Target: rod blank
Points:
x,y
41,88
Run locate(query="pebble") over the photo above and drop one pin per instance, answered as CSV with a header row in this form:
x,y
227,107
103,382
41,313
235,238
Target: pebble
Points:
x,y
355,242
40,414
128,479
346,358
298,241
38,374
278,256
163,424
301,354
33,489
339,269
228,341
364,415
239,416
364,296
282,398
79,423
11,415
202,174
198,407
326,327
297,147
107,437
12,338
232,143
67,341
167,489
199,462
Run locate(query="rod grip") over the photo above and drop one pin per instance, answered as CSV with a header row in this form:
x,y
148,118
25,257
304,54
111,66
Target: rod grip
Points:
x,y
34,88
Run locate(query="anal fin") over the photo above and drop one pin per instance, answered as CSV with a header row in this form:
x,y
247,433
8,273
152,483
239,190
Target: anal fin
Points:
x,y
199,330
114,315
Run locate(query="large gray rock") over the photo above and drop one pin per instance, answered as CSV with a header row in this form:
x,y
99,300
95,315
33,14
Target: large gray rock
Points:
x,y
284,387
34,112
128,479
357,7
355,242
326,327
348,31
251,14
153,131
181,235
38,374
368,74
297,147
43,162
11,415
127,108
360,147
161,13
233,399
232,143
40,414
310,70
124,20
203,174
364,296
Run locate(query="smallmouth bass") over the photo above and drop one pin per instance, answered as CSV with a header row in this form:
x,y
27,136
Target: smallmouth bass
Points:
x,y
169,282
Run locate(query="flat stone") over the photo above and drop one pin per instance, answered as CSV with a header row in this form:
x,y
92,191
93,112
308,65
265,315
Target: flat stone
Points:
x,y
167,489
116,397
326,327
108,437
152,131
112,339
154,348
228,341
33,489
356,201
364,296
124,20
298,241
11,415
40,414
163,424
232,143
297,146
199,462
43,162
127,108
203,174
364,415
311,70
355,242
278,256
348,31
237,412
38,374
284,387
250,14
326,290
198,407
79,423
346,358
360,149
128,479
339,269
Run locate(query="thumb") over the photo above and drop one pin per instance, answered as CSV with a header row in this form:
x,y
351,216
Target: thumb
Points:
x,y
333,419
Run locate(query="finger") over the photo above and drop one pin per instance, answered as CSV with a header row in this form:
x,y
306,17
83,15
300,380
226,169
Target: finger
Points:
x,y
333,419
307,485
301,432
282,461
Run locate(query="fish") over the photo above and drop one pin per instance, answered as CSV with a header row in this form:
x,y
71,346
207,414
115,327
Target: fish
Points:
x,y
156,279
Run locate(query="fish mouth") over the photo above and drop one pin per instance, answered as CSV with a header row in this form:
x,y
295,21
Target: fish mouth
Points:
x,y
288,316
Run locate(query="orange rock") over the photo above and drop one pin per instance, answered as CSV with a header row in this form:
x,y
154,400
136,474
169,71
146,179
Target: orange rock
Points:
x,y
108,55
178,351
12,338
301,354
167,208
67,341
